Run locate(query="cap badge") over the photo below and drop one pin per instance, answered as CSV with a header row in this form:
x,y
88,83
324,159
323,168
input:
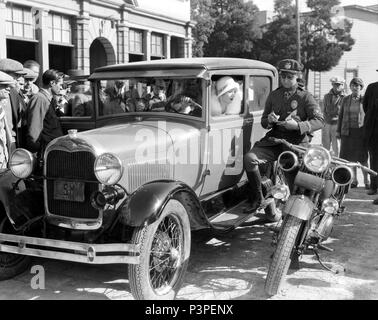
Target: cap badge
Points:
x,y
288,66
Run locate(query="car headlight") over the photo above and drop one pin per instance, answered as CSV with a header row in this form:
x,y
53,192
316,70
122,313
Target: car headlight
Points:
x,y
330,206
21,163
317,159
108,169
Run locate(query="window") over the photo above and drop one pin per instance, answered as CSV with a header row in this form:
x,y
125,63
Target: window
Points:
x,y
258,91
176,96
226,95
135,41
19,22
59,28
157,45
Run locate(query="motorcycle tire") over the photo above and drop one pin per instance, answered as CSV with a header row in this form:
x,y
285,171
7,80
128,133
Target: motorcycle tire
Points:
x,y
282,256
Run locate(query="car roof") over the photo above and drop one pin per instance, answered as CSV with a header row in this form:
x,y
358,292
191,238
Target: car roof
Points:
x,y
207,64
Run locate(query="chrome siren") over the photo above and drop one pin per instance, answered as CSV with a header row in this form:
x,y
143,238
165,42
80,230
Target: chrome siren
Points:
x,y
342,175
288,161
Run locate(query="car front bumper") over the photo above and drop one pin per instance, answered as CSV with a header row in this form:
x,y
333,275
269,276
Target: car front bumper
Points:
x,y
111,253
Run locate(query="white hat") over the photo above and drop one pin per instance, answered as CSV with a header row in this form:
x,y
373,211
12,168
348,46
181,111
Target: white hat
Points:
x,y
226,84
337,79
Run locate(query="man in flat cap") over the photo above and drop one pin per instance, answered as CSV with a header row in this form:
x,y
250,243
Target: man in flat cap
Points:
x,y
331,107
42,123
370,106
16,105
35,67
290,113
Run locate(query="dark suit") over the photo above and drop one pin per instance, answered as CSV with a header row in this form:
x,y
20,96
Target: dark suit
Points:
x,y
370,105
42,123
18,109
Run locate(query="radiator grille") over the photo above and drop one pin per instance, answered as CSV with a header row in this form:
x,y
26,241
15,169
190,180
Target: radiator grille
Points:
x,y
71,165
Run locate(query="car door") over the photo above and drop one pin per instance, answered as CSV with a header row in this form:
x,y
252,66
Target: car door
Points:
x,y
228,137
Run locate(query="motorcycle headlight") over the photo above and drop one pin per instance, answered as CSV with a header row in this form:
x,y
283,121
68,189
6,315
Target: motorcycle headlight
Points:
x,y
21,163
317,159
108,169
330,206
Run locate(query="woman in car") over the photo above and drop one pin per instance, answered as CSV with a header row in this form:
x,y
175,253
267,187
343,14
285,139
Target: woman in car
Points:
x,y
226,97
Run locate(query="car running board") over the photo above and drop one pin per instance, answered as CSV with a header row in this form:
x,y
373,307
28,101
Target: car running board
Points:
x,y
232,218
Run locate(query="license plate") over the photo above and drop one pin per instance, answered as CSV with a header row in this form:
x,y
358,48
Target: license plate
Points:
x,y
69,191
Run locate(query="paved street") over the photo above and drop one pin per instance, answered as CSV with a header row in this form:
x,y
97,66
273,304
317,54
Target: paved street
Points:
x,y
235,266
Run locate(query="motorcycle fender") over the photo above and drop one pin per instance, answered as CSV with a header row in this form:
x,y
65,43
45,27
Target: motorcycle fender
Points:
x,y
145,205
300,207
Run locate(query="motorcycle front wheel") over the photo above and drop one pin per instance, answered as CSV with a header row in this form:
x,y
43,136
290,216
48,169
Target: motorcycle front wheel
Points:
x,y
282,256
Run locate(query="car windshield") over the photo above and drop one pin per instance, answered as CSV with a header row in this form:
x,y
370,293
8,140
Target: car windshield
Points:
x,y
129,95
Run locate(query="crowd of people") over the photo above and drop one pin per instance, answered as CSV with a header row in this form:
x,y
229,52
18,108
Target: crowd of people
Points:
x,y
350,121
29,113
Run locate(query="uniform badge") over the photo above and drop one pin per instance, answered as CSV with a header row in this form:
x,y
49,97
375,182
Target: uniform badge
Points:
x,y
294,104
288,66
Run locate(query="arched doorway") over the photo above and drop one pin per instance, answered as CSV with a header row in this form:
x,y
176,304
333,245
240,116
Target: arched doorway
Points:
x,y
101,53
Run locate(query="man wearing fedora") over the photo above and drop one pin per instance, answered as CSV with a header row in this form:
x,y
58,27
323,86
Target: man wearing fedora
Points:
x,y
290,113
370,106
332,102
15,105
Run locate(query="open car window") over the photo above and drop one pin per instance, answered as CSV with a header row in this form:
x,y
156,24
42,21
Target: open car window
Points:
x,y
227,95
131,95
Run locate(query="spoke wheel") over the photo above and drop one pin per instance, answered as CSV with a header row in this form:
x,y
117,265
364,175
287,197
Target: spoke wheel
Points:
x,y
164,255
282,256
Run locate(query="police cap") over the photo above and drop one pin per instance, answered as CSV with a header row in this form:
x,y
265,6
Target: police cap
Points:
x,y
290,65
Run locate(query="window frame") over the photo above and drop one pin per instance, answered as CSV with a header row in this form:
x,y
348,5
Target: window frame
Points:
x,y
52,29
236,73
133,42
11,22
155,37
259,75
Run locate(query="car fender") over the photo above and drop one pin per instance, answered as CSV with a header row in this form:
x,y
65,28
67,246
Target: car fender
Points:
x,y
145,205
7,182
299,206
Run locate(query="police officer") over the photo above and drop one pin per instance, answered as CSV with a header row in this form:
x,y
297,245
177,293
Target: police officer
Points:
x,y
291,113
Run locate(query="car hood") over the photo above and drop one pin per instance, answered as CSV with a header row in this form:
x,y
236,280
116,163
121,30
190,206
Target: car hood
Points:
x,y
145,149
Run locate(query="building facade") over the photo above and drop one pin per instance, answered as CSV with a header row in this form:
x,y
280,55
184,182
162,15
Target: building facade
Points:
x,y
86,34
361,61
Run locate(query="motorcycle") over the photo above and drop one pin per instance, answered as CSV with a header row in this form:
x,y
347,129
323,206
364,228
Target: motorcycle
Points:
x,y
320,185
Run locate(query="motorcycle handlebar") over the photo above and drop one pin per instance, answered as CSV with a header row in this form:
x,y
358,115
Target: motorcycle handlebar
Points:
x,y
354,165
369,171
335,160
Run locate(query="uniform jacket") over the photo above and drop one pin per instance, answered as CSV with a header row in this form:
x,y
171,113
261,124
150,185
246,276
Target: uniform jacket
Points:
x,y
42,123
370,106
301,106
